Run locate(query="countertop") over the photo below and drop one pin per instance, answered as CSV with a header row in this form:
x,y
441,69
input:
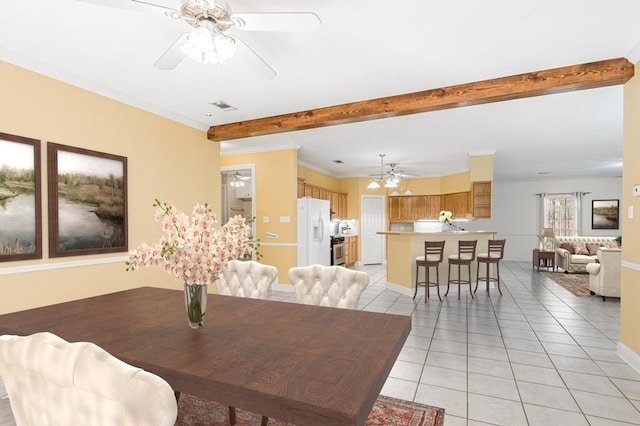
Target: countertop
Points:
x,y
402,233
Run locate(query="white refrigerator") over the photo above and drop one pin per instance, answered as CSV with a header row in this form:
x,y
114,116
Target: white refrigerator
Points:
x,y
314,241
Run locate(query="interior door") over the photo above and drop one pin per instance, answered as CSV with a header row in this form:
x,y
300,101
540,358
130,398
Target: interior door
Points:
x,y
372,222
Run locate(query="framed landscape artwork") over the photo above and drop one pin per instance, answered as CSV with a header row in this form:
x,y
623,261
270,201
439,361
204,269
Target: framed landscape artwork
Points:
x,y
605,214
87,201
20,202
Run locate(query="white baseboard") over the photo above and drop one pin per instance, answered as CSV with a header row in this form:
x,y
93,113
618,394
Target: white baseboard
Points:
x,y
629,356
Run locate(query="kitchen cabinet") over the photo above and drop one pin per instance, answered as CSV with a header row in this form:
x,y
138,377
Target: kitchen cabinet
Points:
x,y
457,203
398,209
338,205
407,208
433,206
337,200
244,192
308,191
350,250
481,200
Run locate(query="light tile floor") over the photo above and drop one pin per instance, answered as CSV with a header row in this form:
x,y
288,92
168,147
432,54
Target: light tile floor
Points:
x,y
537,355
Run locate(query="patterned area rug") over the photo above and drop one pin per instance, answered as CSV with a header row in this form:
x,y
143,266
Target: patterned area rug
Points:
x,y
386,412
577,284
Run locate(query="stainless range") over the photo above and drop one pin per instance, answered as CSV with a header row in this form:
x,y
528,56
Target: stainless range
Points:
x,y
337,250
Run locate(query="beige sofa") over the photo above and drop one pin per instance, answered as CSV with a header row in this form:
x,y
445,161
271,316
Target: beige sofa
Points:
x,y
577,262
605,276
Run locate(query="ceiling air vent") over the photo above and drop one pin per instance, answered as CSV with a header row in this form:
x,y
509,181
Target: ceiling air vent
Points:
x,y
224,106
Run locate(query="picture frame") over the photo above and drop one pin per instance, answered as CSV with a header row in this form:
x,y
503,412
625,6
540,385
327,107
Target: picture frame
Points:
x,y
20,198
87,201
605,214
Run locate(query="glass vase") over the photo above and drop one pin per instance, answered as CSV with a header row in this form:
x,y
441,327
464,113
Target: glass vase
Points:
x,y
195,301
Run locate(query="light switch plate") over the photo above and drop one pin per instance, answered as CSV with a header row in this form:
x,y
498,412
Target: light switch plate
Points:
x,y
630,212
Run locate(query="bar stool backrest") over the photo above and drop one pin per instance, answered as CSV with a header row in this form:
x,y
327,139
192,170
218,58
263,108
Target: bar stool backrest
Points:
x,y
467,250
433,251
495,249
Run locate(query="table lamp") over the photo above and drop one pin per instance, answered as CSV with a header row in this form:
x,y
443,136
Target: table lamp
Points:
x,y
546,242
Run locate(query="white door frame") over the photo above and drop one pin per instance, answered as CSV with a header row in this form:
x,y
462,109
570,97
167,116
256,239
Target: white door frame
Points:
x,y
252,170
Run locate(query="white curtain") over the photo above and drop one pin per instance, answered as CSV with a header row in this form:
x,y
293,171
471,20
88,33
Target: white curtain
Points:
x,y
561,212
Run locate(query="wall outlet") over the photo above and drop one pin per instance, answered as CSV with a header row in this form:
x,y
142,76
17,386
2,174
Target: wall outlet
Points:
x,y
636,191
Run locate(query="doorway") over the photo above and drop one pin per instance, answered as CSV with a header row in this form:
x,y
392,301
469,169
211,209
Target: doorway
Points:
x,y
373,220
238,192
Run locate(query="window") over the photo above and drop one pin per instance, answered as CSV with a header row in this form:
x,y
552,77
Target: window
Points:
x,y
561,212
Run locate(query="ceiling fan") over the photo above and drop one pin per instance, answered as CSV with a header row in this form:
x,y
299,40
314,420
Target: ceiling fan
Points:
x,y
209,40
391,178
237,180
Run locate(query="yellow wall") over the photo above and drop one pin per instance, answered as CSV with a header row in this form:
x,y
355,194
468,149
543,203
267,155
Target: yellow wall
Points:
x,y
480,168
314,177
275,197
165,159
630,296
458,182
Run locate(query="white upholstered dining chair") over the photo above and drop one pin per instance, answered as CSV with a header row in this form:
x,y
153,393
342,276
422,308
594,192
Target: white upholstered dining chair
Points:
x,y
53,382
246,279
333,286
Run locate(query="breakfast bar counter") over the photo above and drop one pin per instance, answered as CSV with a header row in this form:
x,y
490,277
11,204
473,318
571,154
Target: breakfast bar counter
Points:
x,y
404,247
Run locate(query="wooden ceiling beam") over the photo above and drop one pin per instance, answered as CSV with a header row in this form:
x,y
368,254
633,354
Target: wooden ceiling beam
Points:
x,y
565,79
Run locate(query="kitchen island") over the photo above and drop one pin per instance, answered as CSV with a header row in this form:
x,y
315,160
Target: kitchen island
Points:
x,y
404,247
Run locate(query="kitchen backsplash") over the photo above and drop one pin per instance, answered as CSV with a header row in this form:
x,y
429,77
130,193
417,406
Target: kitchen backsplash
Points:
x,y
344,227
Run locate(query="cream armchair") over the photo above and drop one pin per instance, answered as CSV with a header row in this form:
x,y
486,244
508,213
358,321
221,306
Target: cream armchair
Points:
x,y
333,286
53,382
246,279
605,276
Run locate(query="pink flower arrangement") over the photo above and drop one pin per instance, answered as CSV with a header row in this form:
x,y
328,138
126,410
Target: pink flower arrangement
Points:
x,y
192,249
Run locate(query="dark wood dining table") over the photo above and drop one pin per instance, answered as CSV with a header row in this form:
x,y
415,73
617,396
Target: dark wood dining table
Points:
x,y
302,364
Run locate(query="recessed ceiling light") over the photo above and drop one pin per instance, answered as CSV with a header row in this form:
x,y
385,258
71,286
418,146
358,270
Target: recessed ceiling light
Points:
x,y
224,105
209,114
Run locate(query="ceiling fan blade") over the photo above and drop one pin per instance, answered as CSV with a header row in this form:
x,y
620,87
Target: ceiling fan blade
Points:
x,y
136,5
173,55
252,62
283,22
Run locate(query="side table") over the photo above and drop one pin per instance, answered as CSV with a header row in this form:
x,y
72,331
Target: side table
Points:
x,y
546,259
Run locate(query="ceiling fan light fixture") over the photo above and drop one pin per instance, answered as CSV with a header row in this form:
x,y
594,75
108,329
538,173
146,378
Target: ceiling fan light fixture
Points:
x,y
373,185
390,183
208,46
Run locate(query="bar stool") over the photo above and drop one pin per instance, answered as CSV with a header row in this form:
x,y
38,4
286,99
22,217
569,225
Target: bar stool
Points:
x,y
432,258
495,252
466,255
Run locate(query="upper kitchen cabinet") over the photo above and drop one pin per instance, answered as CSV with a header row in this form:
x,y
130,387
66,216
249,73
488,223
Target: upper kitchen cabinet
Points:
x,y
407,208
244,192
337,200
457,203
433,206
481,200
338,205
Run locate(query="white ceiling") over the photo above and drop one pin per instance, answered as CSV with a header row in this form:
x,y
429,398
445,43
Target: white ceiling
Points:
x,y
363,50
